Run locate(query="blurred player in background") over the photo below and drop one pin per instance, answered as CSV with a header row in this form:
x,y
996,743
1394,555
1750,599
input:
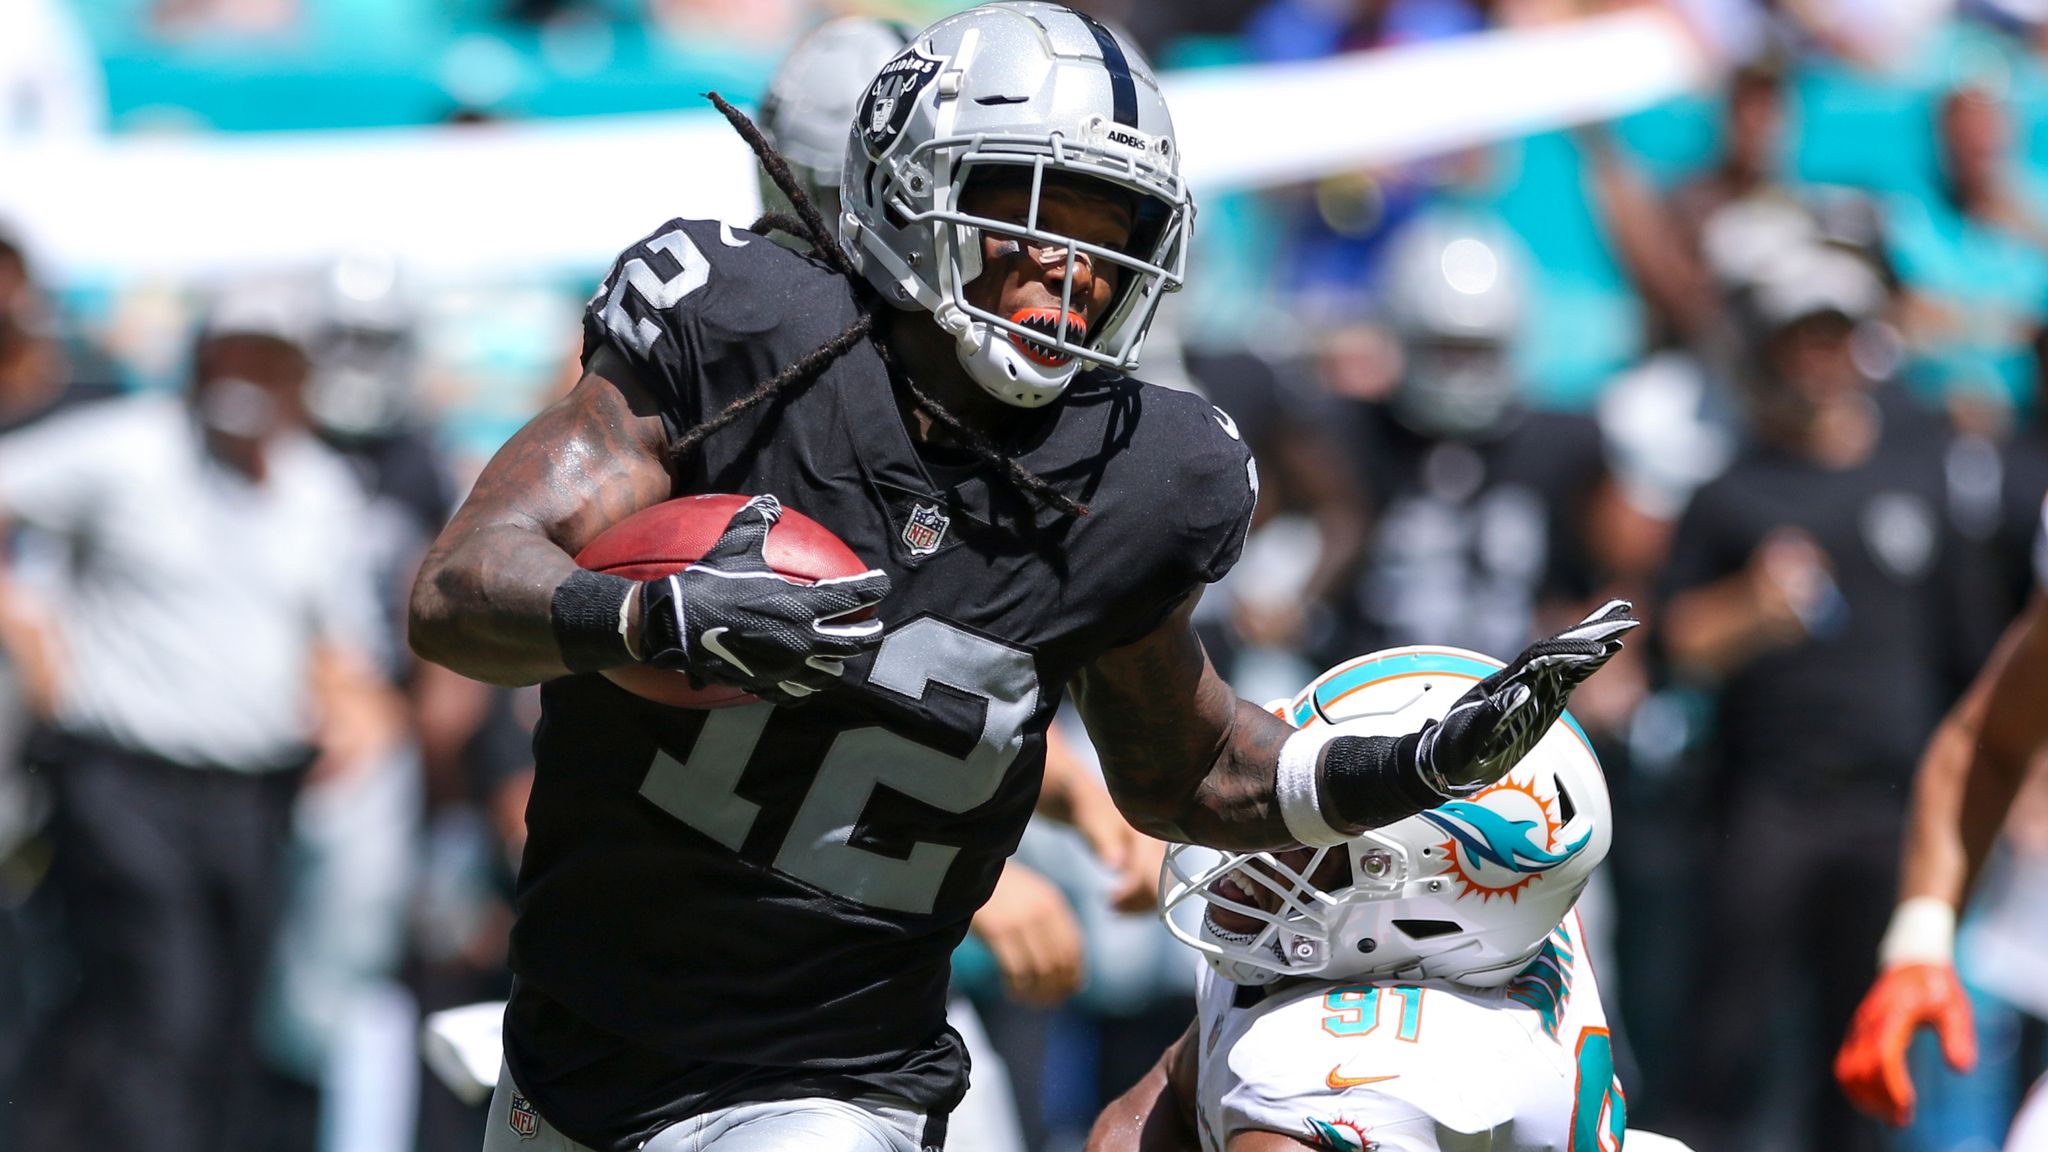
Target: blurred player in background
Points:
x,y
1480,504
207,648
1423,986
761,961
811,101
1965,785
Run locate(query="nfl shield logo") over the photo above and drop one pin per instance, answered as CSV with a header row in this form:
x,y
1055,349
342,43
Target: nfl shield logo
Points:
x,y
524,1119
926,529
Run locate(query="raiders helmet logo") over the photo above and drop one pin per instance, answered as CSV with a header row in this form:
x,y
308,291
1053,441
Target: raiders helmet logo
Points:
x,y
891,97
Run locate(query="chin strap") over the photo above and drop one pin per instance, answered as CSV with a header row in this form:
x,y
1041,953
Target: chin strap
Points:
x,y
1243,973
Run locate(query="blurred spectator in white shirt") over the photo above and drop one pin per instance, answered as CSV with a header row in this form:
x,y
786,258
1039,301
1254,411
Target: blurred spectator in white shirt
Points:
x,y
205,649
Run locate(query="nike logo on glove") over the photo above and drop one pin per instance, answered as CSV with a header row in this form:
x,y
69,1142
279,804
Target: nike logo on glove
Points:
x,y
712,644
1338,1081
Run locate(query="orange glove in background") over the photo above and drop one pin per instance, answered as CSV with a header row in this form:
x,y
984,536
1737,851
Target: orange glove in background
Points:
x,y
1871,1066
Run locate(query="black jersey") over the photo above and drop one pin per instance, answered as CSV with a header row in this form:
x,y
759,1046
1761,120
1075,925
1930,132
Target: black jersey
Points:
x,y
1853,701
1469,537
759,902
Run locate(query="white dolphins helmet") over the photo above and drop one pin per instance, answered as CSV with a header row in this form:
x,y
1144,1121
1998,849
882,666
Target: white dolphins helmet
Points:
x,y
1467,891
1040,89
810,103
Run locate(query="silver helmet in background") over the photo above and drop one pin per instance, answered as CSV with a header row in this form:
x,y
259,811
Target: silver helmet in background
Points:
x,y
1041,90
810,102
364,348
1454,297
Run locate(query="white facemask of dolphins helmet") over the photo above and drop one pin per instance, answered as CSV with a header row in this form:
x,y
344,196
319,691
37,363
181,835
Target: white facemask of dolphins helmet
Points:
x,y
1046,91
811,99
1467,891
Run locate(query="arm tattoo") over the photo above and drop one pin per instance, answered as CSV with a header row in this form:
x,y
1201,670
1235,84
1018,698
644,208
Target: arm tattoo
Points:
x,y
481,605
1185,758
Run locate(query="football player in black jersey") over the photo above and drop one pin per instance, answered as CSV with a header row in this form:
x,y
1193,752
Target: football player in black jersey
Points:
x,y
734,925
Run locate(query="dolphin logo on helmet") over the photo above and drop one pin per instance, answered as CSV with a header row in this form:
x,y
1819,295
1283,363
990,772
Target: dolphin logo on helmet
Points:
x,y
1498,840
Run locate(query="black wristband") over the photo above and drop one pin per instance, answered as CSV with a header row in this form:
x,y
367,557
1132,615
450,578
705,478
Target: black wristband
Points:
x,y
1372,781
586,612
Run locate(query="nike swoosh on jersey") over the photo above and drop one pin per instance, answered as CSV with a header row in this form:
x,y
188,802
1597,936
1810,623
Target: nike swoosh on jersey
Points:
x,y
713,645
1338,1081
1229,425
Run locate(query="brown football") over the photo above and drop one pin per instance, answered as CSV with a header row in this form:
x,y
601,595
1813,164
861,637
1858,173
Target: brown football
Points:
x,y
657,541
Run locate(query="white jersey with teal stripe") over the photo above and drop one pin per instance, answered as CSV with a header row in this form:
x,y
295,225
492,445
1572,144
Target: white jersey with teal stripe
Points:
x,y
1430,1067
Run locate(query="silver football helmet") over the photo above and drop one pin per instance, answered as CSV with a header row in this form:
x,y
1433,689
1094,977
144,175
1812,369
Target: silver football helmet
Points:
x,y
364,348
1454,297
810,103
1467,891
1041,89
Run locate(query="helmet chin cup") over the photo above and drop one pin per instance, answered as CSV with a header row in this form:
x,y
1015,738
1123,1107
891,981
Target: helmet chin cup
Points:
x,y
994,362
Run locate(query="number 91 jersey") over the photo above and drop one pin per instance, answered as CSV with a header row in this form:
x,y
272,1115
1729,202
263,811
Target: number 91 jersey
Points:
x,y
1431,1067
760,902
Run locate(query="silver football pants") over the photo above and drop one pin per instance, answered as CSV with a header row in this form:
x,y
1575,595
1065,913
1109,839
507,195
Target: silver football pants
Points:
x,y
864,1124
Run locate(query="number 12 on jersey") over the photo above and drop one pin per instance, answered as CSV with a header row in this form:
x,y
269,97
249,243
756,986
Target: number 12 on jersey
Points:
x,y
703,790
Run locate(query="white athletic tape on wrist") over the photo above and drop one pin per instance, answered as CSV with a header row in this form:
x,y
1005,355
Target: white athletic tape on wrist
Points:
x,y
1300,805
1922,931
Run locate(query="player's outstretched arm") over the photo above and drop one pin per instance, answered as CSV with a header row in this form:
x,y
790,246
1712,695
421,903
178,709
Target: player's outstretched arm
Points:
x,y
1187,760
482,601
1965,784
1157,1114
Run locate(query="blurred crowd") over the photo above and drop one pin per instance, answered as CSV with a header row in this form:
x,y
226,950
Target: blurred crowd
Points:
x,y
1819,472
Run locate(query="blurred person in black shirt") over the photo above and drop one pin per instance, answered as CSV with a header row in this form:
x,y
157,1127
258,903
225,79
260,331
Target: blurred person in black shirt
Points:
x,y
364,397
1821,585
1479,504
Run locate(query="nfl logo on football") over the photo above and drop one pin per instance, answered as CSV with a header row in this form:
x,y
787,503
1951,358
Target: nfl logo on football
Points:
x,y
926,529
523,1119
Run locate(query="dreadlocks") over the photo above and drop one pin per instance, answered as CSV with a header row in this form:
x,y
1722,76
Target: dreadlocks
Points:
x,y
809,226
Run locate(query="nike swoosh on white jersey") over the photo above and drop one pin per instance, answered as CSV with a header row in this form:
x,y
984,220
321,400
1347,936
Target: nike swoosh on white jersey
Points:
x,y
712,645
1338,1081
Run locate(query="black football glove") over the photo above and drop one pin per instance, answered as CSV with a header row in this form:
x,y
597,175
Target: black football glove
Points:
x,y
731,619
1494,725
